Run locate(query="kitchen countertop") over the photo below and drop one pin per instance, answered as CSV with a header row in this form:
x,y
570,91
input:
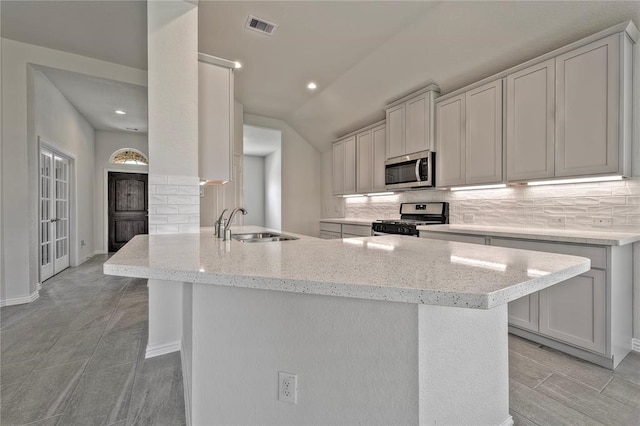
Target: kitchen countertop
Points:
x,y
603,238
349,221
390,268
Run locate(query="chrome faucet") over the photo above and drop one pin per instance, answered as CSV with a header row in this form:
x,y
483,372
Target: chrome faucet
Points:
x,y
220,225
227,231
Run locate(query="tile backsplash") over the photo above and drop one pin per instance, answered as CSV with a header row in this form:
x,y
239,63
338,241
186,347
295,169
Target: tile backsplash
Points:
x,y
570,206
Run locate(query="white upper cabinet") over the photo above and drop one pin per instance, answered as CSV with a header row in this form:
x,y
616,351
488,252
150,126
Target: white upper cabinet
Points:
x,y
588,109
215,122
451,148
484,134
531,122
410,123
344,166
371,153
469,137
395,131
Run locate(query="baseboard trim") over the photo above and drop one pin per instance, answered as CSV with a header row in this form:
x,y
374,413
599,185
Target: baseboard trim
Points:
x,y
635,345
186,381
507,422
22,300
165,348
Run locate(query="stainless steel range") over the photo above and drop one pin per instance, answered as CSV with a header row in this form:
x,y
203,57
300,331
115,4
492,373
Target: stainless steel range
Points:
x,y
413,215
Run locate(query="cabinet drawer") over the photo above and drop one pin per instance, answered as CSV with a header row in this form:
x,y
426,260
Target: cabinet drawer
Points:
x,y
331,227
328,235
598,255
473,239
358,230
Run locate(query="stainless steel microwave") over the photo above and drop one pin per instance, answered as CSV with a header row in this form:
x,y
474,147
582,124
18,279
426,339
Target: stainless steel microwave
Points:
x,y
410,171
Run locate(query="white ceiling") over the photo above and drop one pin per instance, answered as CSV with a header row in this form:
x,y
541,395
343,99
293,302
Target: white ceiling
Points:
x,y
114,31
362,54
260,141
97,99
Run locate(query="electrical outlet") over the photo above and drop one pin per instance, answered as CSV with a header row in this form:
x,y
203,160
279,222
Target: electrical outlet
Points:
x,y
287,387
467,218
556,221
602,221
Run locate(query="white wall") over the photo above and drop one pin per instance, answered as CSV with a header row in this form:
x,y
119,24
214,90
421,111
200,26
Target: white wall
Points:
x,y
2,284
106,143
254,189
19,155
273,190
301,178
58,124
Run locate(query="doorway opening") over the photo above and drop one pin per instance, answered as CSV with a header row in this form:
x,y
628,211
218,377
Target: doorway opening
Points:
x,y
55,219
262,176
127,207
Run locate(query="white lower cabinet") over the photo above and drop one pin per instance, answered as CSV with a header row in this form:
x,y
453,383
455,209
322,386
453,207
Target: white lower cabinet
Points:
x,y
588,316
574,311
332,230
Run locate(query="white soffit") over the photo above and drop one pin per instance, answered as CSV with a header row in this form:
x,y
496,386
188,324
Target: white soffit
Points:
x,y
260,141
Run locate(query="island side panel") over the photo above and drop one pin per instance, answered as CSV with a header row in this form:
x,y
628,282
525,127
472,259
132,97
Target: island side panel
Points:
x,y
165,317
356,360
464,367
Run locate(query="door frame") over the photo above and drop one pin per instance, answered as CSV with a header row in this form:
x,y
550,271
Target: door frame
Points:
x,y
105,201
74,250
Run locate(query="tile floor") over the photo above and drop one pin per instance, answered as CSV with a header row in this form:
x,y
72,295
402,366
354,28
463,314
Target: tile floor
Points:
x,y
75,356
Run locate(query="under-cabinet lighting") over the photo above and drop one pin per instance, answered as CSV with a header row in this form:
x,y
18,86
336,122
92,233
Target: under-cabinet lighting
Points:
x,y
237,65
380,194
478,263
464,188
120,112
353,195
576,180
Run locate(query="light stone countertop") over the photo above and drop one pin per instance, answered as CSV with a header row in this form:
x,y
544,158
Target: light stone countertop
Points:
x,y
602,238
389,268
349,221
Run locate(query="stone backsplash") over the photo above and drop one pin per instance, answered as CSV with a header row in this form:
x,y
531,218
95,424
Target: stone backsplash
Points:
x,y
523,206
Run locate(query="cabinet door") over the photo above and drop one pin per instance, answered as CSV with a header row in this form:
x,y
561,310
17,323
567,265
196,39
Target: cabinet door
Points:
x,y
484,134
395,131
450,141
364,142
587,101
378,135
417,124
531,122
574,311
523,312
338,168
350,165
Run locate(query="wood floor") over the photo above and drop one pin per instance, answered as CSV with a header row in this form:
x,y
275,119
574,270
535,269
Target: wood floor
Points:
x,y
75,356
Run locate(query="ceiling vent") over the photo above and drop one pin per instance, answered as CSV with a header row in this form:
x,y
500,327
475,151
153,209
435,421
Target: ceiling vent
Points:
x,y
260,25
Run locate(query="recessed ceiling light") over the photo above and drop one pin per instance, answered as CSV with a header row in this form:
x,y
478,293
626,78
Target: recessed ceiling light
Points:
x,y
237,65
312,86
119,111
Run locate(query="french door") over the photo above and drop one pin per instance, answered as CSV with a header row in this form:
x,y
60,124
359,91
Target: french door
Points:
x,y
54,213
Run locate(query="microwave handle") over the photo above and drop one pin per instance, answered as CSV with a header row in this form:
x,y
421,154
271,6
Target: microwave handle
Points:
x,y
418,170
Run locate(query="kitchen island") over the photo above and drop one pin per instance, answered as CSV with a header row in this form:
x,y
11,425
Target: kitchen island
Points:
x,y
378,330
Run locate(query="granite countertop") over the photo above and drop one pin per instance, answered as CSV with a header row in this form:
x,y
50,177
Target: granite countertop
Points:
x,y
390,268
349,221
602,238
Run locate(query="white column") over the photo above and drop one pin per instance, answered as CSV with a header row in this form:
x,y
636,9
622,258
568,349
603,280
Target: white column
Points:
x,y
174,201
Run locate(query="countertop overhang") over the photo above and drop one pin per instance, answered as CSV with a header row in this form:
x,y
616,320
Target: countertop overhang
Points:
x,y
389,268
602,238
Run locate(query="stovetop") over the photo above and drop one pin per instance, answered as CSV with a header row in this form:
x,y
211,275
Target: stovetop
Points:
x,y
413,215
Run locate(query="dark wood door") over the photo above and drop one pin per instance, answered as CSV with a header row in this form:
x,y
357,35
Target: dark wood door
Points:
x,y
127,207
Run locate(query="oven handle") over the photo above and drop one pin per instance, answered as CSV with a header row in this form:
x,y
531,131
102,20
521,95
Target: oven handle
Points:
x,y
418,171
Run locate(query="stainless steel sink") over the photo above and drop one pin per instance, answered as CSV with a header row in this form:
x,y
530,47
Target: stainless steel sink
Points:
x,y
259,237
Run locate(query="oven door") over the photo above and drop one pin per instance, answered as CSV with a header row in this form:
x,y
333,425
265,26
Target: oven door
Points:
x,y
410,171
